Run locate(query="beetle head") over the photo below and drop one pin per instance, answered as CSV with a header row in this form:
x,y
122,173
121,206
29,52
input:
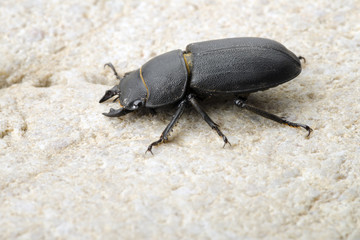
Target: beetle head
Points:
x,y
131,93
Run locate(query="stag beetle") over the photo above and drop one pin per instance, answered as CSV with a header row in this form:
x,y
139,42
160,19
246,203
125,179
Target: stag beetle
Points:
x,y
232,66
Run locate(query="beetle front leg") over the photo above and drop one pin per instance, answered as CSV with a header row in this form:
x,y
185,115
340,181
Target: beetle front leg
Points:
x,y
206,117
165,133
242,103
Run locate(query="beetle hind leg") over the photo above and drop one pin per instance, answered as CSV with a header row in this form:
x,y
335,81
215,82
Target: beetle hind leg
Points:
x,y
207,119
242,104
169,127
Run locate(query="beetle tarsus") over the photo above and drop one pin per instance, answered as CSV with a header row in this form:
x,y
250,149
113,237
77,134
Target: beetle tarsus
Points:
x,y
242,103
207,119
226,141
309,129
306,127
302,58
169,127
153,144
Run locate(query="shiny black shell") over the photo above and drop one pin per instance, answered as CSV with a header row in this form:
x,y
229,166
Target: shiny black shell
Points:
x,y
240,65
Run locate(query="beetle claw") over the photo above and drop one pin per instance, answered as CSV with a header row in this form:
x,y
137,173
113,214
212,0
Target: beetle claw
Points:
x,y
226,141
149,150
117,113
309,129
162,139
108,94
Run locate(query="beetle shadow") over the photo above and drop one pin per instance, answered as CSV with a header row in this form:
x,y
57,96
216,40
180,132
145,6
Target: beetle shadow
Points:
x,y
273,101
276,101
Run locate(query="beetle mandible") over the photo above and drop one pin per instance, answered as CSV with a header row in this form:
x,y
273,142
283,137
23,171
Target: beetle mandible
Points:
x,y
232,66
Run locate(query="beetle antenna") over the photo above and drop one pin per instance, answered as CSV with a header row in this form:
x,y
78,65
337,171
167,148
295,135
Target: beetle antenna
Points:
x,y
113,68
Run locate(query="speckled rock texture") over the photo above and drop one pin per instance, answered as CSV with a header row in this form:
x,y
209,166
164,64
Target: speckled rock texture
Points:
x,y
68,172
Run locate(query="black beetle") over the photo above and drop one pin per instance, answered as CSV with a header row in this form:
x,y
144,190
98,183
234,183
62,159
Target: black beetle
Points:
x,y
233,66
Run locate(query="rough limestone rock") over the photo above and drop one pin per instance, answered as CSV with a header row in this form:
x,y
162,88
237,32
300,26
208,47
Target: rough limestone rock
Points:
x,y
68,172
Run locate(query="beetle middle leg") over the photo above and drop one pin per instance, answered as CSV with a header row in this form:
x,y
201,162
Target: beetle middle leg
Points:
x,y
241,102
206,117
165,133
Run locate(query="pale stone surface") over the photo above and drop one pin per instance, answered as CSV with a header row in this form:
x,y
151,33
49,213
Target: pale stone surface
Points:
x,y
68,172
